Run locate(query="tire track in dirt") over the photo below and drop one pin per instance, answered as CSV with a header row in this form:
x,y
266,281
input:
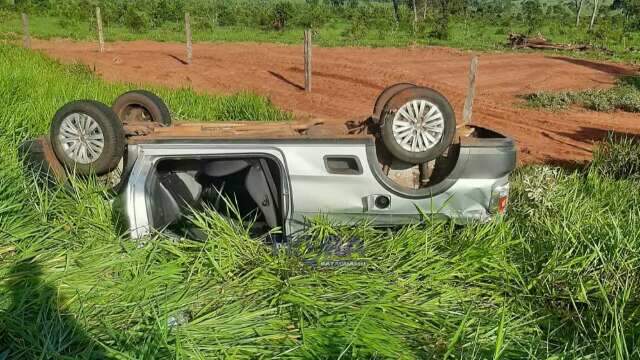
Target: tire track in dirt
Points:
x,y
347,81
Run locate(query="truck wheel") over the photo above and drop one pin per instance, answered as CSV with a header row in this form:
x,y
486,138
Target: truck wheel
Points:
x,y
141,105
418,125
387,94
87,137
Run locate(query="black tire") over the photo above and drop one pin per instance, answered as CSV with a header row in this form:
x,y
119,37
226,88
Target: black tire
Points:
x,y
387,94
404,97
108,124
141,105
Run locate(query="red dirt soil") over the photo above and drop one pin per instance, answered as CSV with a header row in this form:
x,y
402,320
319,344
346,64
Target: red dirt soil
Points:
x,y
346,82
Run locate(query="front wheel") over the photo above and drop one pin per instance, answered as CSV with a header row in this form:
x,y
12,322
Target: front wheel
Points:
x,y
141,105
418,125
87,137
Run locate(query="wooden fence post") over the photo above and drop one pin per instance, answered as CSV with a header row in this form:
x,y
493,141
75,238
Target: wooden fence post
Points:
x,y
307,60
100,34
187,27
471,92
25,31
415,18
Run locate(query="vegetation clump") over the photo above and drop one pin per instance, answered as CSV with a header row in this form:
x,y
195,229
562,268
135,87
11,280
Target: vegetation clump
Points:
x,y
617,157
625,96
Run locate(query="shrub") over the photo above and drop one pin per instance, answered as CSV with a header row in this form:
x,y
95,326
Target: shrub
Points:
x,y
597,100
624,96
312,16
618,157
629,101
225,15
632,81
280,14
137,20
551,101
358,27
533,15
5,15
69,12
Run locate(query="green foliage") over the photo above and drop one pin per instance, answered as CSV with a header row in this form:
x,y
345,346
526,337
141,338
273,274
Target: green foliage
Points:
x,y
280,14
533,15
617,158
444,9
359,24
313,16
469,24
550,101
631,11
137,20
624,96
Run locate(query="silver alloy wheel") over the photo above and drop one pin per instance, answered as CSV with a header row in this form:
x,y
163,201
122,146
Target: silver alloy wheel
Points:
x,y
81,138
418,126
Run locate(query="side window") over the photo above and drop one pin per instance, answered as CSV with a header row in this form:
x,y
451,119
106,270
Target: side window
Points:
x,y
343,164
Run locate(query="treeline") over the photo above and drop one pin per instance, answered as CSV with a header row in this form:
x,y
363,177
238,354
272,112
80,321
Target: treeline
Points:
x,y
423,18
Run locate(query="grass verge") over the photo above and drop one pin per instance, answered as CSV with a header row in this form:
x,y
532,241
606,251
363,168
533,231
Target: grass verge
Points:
x,y
556,279
624,96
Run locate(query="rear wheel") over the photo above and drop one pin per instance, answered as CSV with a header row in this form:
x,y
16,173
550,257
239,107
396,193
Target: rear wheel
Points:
x,y
141,105
87,137
418,125
387,94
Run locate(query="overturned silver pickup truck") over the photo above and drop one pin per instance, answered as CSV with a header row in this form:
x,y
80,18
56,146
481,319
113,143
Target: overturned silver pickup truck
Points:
x,y
407,160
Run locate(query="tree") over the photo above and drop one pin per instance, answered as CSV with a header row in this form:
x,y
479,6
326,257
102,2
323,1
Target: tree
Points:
x,y
415,17
594,14
443,9
631,12
533,14
578,4
396,11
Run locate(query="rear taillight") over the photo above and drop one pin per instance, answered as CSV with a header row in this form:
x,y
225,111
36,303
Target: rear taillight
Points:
x,y
499,199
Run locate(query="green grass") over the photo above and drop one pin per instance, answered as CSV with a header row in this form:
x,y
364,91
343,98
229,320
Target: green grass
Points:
x,y
624,96
556,279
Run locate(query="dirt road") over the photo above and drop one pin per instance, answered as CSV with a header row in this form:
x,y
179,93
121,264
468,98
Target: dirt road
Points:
x,y
346,82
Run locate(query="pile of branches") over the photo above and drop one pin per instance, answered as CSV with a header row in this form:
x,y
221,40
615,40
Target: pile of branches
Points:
x,y
520,41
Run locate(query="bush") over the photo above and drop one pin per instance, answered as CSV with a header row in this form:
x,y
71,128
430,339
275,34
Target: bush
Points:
x,y
551,101
632,81
629,101
533,15
70,12
358,27
137,20
225,15
618,157
280,14
624,96
312,16
597,100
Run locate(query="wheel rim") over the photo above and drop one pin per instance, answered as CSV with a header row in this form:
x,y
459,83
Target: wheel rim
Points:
x,y
81,137
418,126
